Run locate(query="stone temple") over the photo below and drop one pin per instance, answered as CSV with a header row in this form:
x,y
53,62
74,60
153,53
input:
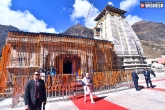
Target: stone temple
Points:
x,y
112,26
115,46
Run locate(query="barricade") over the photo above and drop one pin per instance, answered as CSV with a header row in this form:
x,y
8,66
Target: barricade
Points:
x,y
110,81
58,87
65,86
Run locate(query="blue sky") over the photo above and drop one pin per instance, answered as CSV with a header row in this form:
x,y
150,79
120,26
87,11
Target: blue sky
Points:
x,y
56,16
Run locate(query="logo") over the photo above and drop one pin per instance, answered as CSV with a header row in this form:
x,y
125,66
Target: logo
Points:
x,y
152,4
142,5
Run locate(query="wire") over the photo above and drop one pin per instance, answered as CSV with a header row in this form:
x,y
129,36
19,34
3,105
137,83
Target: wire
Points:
x,y
89,12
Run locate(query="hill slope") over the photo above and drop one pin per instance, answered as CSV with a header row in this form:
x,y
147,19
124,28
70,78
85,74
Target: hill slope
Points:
x,y
152,37
79,30
3,34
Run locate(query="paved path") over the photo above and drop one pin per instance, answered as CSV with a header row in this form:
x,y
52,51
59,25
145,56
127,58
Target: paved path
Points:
x,y
145,99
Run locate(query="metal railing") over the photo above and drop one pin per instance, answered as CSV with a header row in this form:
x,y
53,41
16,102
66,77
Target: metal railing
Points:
x,y
66,86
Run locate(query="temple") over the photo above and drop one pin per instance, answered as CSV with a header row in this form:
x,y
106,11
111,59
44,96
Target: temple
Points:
x,y
112,26
26,52
114,49
68,54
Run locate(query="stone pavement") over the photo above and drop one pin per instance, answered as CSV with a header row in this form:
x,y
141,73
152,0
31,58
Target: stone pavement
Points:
x,y
145,99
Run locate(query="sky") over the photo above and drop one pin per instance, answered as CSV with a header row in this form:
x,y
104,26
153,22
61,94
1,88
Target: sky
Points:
x,y
56,16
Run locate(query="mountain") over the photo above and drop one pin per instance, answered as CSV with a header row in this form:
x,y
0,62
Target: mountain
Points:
x,y
4,29
79,30
152,37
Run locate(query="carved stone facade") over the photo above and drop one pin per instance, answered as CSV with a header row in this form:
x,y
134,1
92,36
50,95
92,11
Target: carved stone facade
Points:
x,y
112,26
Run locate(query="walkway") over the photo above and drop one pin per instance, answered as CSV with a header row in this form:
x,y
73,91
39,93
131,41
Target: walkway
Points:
x,y
145,99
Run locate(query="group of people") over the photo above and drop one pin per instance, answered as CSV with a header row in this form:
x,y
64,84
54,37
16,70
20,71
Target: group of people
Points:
x,y
45,73
51,71
147,77
35,91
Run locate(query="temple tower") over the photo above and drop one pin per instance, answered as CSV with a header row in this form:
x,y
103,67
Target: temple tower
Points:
x,y
112,26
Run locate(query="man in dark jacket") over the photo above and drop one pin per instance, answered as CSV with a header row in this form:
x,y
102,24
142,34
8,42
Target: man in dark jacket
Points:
x,y
35,93
135,79
146,73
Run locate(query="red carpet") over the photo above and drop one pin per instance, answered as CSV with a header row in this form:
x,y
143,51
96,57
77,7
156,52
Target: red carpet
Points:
x,y
101,104
153,80
156,89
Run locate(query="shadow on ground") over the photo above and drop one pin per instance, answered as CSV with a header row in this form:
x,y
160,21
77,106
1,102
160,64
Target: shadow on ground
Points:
x,y
99,98
142,87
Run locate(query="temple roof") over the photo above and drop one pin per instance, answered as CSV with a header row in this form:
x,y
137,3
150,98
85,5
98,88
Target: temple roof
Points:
x,y
20,33
111,9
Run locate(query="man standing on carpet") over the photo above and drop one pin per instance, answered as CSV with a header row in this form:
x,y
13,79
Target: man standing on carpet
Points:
x,y
88,86
135,79
35,93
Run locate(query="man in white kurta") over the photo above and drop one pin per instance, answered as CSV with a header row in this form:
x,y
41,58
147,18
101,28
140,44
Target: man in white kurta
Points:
x,y
87,83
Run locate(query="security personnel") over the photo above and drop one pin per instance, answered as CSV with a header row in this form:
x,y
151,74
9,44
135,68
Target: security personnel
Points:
x,y
135,79
146,73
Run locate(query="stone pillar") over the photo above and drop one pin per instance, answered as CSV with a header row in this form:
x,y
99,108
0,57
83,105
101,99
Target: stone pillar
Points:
x,y
83,63
74,66
54,61
61,66
52,58
43,54
41,57
90,62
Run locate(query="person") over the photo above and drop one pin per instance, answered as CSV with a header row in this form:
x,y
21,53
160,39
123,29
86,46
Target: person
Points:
x,y
42,73
88,86
35,93
146,73
53,71
47,74
92,72
135,79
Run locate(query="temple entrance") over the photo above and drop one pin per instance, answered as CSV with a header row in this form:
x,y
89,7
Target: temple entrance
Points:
x,y
68,64
67,67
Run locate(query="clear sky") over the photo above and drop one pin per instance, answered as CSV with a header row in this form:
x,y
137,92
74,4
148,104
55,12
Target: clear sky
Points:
x,y
55,16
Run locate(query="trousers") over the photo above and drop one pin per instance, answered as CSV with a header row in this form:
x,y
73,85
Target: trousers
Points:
x,y
36,106
148,81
